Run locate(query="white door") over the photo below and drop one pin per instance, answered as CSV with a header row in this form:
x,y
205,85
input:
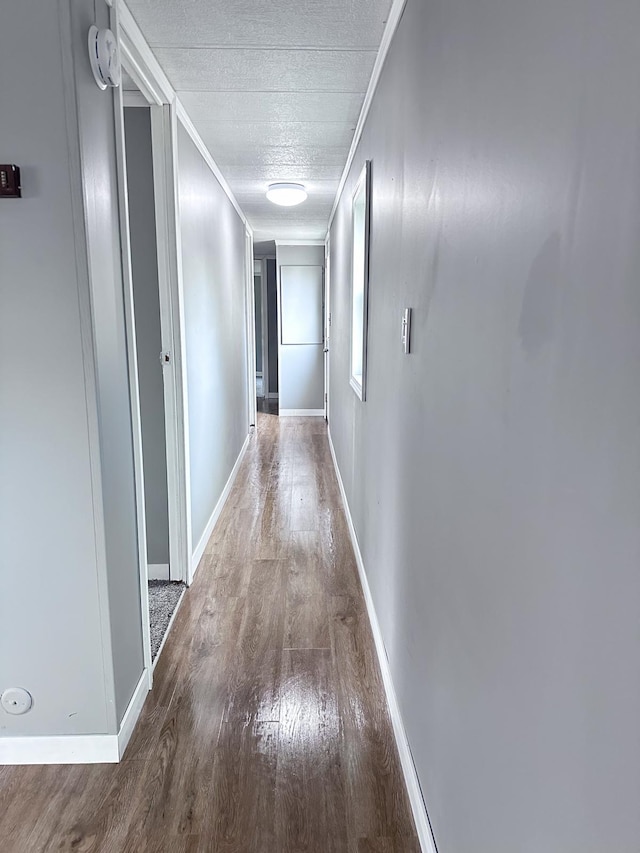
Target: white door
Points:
x,y
301,340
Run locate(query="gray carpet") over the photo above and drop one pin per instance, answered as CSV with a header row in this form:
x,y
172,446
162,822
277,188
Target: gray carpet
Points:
x,y
163,600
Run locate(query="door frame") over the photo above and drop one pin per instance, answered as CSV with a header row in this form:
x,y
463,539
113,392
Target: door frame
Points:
x,y
327,324
157,93
250,319
269,395
260,269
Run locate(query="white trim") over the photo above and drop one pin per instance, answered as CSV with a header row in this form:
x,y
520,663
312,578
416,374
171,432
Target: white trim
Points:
x,y
158,571
272,395
327,324
260,269
60,749
134,709
393,20
250,331
188,125
139,60
420,817
215,515
171,329
301,413
279,320
180,337
169,627
299,243
132,364
77,749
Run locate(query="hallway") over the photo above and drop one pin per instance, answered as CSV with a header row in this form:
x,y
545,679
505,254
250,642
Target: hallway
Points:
x,y
267,729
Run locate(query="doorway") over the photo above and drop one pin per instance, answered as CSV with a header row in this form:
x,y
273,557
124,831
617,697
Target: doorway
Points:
x,y
266,324
262,356
146,179
164,589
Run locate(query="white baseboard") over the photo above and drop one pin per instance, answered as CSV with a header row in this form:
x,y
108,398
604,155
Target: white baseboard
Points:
x,y
215,515
301,413
77,749
134,709
420,817
158,571
271,395
60,749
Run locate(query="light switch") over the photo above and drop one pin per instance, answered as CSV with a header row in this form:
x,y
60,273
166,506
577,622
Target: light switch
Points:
x,y
406,331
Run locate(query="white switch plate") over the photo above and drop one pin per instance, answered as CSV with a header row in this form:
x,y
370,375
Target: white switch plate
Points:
x,y
406,331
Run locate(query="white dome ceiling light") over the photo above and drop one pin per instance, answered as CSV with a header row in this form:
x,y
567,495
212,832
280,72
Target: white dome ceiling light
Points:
x,y
286,195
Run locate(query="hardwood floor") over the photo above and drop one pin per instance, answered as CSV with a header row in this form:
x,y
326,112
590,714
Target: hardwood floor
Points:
x,y
267,729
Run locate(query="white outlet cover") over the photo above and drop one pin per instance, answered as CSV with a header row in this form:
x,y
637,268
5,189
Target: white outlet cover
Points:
x,y
16,700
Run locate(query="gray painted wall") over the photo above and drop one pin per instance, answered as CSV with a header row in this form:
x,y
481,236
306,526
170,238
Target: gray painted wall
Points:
x,y
499,528
213,264
67,511
49,610
144,263
301,375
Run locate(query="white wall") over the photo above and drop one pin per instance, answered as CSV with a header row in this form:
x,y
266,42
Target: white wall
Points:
x,y
499,527
213,265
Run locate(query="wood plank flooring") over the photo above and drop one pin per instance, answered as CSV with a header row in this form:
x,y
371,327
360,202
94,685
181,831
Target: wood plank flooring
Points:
x,y
267,729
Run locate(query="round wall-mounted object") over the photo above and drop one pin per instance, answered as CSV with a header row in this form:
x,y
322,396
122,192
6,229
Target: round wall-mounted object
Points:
x,y
103,56
16,700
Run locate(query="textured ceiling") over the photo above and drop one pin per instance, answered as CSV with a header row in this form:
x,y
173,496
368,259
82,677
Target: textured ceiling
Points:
x,y
274,87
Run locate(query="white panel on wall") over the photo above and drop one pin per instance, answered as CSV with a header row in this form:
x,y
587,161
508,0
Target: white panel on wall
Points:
x,y
301,304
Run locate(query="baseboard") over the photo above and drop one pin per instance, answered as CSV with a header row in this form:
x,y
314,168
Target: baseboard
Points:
x,y
301,413
271,395
158,571
215,515
77,749
420,817
134,709
60,749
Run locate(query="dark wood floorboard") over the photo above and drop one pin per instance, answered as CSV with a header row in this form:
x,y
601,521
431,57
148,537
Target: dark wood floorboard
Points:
x,y
267,729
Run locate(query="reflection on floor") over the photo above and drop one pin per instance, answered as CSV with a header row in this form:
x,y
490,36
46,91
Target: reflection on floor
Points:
x,y
267,729
268,406
163,600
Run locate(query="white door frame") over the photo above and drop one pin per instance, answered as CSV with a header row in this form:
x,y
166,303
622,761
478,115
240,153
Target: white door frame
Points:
x,y
157,92
250,318
259,269
165,182
327,325
269,395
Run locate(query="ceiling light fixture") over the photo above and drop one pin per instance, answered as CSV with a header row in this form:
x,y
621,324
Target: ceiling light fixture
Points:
x,y
286,195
